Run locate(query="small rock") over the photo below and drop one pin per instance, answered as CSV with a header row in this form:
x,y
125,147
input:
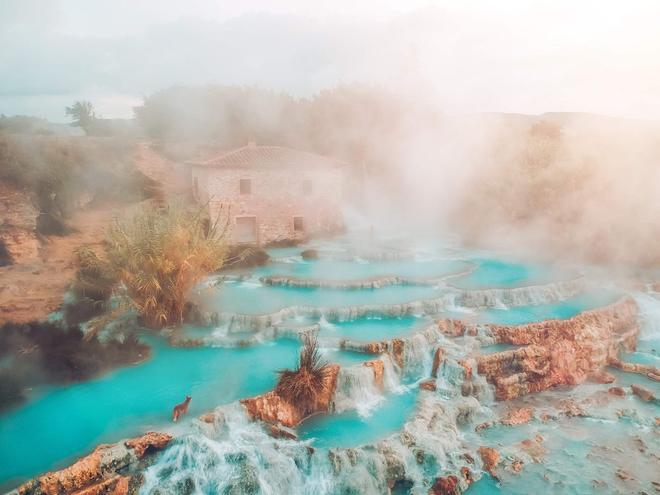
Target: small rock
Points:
x,y
642,392
447,485
467,475
310,254
148,442
571,408
518,416
483,426
428,385
534,448
617,391
281,432
601,376
624,475
490,457
437,361
517,465
467,367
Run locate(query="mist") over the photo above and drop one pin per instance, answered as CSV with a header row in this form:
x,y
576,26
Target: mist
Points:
x,y
433,104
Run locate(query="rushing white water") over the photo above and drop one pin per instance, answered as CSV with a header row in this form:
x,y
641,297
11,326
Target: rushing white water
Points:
x,y
356,389
326,325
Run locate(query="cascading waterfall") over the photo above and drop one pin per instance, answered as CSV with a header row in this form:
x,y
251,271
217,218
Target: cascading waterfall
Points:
x,y
454,299
357,390
418,356
324,324
391,378
241,458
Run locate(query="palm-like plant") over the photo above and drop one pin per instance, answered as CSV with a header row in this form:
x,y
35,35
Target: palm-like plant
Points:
x,y
82,113
304,385
160,254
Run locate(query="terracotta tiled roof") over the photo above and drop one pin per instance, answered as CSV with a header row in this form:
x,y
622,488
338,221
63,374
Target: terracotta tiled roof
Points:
x,y
268,156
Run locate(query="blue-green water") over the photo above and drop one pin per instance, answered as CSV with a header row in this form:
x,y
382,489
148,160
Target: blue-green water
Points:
x,y
58,424
498,273
349,429
350,270
252,297
373,329
559,310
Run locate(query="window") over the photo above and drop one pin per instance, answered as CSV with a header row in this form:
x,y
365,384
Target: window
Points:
x,y
246,186
298,225
307,187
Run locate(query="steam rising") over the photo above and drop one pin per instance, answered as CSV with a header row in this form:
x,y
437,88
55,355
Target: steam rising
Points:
x,y
419,98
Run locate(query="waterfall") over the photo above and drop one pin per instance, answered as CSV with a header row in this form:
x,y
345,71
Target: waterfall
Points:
x,y
391,378
357,390
418,356
324,324
241,458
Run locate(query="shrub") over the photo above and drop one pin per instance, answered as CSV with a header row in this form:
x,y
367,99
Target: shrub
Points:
x,y
246,257
160,254
43,352
304,385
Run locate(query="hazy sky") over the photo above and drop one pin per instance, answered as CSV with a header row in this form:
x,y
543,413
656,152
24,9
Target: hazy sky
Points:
x,y
469,56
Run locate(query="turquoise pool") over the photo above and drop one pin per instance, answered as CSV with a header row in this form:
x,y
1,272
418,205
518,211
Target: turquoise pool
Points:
x,y
491,272
58,424
373,329
350,429
252,297
559,310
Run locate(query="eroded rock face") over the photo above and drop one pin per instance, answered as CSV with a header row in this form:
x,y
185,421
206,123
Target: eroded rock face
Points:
x,y
490,458
446,485
97,473
534,448
438,357
379,369
559,352
149,442
518,416
643,393
428,385
272,408
602,377
642,369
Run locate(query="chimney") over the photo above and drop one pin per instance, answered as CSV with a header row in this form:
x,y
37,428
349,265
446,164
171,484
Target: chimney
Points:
x,y
251,144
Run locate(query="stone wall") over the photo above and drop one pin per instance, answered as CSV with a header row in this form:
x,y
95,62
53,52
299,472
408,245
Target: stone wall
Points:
x,y
277,195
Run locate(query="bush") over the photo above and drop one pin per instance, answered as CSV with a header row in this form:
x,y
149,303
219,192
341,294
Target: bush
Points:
x,y
246,257
61,172
159,255
43,352
304,385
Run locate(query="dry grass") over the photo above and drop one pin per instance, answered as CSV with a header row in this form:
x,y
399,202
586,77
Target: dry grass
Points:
x,y
304,385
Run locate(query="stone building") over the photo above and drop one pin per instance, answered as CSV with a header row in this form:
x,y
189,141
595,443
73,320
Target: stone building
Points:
x,y
272,193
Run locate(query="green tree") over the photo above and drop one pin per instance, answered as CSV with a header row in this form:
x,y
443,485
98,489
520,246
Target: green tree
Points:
x,y
82,114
